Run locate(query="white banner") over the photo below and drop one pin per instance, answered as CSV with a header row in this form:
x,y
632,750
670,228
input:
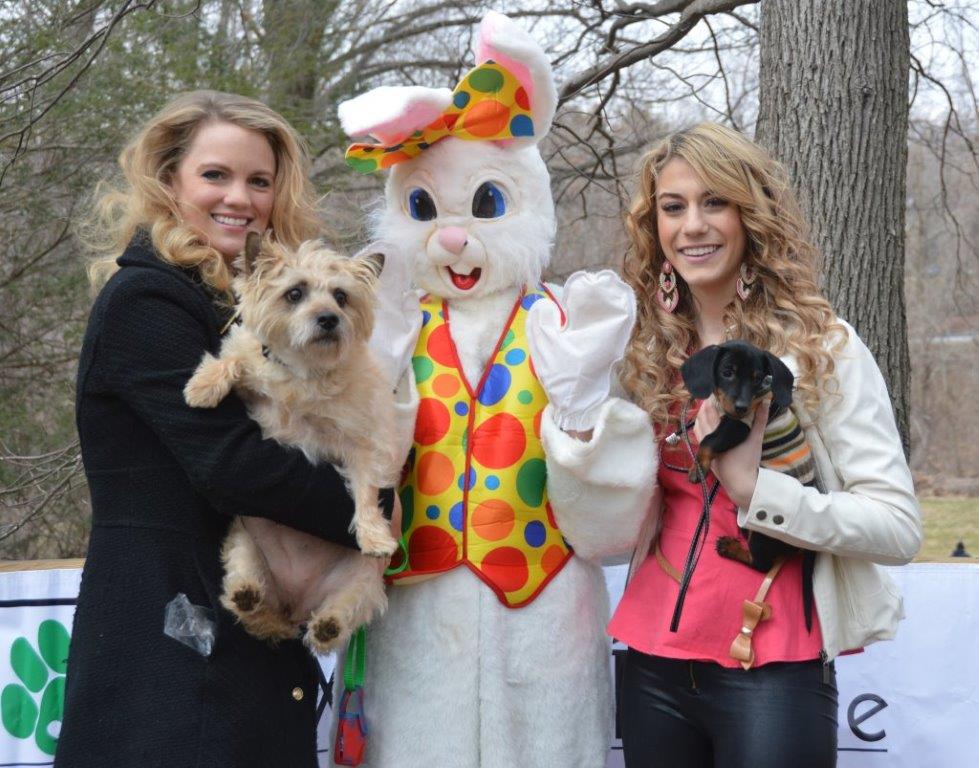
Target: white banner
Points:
x,y
905,704
36,609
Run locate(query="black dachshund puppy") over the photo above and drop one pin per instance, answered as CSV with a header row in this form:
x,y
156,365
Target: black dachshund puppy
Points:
x,y
739,376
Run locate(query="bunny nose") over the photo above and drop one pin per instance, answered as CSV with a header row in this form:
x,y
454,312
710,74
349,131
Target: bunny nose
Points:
x,y
453,239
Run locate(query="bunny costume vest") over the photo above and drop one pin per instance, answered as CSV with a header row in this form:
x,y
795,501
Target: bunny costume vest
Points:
x,y
475,490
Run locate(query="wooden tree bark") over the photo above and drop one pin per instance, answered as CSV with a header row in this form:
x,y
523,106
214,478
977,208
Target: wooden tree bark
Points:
x,y
834,109
293,38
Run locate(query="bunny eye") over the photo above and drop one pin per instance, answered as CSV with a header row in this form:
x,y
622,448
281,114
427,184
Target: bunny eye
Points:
x,y
421,206
488,202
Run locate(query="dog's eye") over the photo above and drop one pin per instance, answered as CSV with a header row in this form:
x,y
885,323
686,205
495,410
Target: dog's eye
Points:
x,y
421,206
340,296
294,295
488,202
727,373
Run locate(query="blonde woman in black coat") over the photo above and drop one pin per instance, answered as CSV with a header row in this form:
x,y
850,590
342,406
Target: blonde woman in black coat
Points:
x,y
166,479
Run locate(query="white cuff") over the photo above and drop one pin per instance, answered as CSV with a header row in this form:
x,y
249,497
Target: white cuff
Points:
x,y
579,421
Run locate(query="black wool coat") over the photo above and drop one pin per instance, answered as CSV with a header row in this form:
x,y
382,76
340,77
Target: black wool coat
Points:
x,y
165,481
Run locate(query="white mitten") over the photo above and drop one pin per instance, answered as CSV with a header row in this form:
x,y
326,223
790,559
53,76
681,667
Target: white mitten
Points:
x,y
398,318
574,361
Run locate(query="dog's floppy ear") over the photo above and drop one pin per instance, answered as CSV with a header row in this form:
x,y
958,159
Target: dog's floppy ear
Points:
x,y
698,372
253,248
782,380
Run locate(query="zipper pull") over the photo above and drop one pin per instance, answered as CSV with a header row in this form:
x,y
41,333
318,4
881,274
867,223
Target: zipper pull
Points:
x,y
827,676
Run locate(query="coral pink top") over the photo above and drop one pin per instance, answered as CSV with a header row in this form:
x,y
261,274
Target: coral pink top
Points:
x,y
711,617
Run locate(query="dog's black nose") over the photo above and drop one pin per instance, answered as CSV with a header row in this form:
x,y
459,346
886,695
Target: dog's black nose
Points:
x,y
328,322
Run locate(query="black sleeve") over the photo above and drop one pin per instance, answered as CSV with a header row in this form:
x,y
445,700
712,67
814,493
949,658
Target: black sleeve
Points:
x,y
153,334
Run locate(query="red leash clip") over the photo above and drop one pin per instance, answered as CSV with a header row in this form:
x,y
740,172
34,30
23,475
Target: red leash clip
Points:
x,y
351,740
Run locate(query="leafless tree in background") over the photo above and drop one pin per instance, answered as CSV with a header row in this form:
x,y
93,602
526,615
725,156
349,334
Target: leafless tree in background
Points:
x,y
77,76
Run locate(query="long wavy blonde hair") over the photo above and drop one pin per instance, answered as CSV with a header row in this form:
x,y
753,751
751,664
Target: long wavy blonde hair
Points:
x,y
143,198
785,312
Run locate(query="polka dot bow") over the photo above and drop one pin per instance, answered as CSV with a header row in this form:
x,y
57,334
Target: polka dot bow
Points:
x,y
488,105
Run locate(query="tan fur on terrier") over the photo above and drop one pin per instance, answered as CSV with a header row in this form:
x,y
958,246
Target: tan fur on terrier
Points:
x,y
300,361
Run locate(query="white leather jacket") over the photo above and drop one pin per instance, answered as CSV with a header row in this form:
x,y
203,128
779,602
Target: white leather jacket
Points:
x,y
864,514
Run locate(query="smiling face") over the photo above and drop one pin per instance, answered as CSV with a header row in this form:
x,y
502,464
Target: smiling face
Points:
x,y
701,234
474,218
225,185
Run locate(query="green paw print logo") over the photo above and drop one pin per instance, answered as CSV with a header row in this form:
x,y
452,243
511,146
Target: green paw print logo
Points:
x,y
34,707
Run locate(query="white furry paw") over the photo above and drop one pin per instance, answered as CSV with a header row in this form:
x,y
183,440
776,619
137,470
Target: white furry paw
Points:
x,y
374,536
260,620
208,386
326,634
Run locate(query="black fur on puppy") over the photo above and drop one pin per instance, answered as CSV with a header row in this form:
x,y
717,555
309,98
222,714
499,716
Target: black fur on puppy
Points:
x,y
739,376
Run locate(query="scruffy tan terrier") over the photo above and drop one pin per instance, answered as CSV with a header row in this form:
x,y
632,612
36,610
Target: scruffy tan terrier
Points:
x,y
300,361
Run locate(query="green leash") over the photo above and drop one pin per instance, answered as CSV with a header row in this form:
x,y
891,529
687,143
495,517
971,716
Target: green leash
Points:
x,y
356,661
396,569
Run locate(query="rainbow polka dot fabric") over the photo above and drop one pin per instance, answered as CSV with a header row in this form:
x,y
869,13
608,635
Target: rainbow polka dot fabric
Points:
x,y
475,487
488,105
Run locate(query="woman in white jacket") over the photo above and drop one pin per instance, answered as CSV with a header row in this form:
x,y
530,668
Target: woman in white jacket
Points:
x,y
719,252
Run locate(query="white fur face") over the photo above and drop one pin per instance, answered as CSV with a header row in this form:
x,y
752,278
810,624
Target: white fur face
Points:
x,y
452,251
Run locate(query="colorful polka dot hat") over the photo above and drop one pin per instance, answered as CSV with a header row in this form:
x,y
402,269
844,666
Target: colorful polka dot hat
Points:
x,y
489,104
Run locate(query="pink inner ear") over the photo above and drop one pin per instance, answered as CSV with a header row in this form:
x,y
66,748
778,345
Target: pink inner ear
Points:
x,y
414,118
520,71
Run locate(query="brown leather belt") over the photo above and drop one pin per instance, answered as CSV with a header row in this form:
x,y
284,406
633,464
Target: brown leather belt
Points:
x,y
753,612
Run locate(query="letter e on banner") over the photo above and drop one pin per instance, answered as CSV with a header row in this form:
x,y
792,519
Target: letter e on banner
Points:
x,y
855,720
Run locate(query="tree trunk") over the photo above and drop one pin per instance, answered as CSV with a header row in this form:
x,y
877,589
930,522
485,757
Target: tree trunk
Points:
x,y
293,36
834,109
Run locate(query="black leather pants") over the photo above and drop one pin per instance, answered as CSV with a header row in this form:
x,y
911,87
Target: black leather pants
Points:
x,y
683,714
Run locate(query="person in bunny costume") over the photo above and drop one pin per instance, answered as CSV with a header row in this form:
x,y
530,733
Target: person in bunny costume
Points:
x,y
523,473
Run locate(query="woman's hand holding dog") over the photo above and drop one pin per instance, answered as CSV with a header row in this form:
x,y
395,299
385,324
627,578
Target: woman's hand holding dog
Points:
x,y
737,468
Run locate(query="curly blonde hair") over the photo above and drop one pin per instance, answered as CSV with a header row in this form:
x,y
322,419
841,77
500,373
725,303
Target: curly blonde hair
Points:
x,y
785,313
144,199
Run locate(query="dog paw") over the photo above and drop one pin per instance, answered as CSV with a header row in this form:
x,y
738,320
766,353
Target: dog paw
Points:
x,y
204,391
727,546
324,635
246,598
260,619
732,548
375,539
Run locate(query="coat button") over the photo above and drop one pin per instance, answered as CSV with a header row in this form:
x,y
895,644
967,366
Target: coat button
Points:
x,y
778,519
297,693
761,514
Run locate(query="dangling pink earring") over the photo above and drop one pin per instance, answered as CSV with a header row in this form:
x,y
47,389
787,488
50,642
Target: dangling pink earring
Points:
x,y
746,279
667,295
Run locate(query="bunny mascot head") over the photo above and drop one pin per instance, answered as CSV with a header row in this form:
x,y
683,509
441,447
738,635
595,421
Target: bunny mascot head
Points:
x,y
493,651
468,196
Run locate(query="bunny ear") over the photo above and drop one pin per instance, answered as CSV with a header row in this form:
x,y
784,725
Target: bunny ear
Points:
x,y
392,113
503,41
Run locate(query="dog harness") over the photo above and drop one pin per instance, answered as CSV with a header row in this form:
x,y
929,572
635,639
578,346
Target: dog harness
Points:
x,y
475,489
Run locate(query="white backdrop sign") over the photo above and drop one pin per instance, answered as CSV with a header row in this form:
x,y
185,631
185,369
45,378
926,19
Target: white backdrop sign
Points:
x,y
904,704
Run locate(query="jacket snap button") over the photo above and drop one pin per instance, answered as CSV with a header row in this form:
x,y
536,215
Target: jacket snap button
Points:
x,y
297,693
761,514
778,519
